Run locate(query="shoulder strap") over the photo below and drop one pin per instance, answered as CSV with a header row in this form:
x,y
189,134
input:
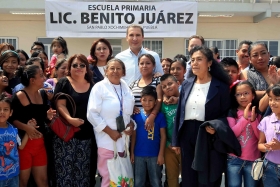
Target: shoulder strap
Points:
x,y
44,96
26,96
143,116
69,98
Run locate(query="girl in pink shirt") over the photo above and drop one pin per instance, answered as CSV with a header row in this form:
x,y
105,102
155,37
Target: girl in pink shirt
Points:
x,y
60,51
243,120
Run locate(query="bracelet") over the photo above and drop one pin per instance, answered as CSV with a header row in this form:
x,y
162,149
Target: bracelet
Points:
x,y
153,114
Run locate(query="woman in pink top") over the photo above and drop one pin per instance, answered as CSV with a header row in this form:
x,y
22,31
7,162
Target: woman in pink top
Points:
x,y
270,139
243,120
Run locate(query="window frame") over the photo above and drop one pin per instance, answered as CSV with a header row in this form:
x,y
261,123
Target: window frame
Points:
x,y
150,48
224,49
6,38
269,46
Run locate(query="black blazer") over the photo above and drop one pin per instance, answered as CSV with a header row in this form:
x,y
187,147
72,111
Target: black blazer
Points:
x,y
211,150
97,76
216,106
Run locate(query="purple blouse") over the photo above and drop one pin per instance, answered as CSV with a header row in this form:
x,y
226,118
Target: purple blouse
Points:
x,y
270,126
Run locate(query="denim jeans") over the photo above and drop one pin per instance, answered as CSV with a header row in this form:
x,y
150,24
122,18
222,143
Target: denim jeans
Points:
x,y
271,175
143,164
238,168
12,182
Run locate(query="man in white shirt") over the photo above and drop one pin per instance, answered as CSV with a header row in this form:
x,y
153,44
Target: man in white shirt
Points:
x,y
134,37
242,55
194,40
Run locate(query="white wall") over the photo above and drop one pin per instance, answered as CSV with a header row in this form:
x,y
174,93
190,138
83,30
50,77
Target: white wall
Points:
x,y
29,28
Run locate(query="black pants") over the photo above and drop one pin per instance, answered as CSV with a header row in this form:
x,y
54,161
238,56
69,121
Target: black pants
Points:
x,y
93,162
187,138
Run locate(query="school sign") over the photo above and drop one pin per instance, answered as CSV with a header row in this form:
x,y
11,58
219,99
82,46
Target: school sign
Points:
x,y
110,19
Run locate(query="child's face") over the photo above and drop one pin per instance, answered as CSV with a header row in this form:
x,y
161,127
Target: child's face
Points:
x,y
56,48
233,73
170,87
274,103
148,102
178,71
4,82
5,112
244,95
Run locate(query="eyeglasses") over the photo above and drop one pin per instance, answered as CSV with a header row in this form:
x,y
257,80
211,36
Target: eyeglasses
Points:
x,y
78,65
242,94
37,49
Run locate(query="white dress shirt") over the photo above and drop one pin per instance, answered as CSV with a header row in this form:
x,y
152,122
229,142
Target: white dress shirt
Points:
x,y
104,108
131,64
195,105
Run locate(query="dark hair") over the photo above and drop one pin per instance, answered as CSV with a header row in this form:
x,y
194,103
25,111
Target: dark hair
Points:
x,y
10,47
235,104
246,42
28,72
57,66
167,76
7,54
215,50
119,61
93,48
217,70
275,89
227,61
255,44
34,59
197,37
23,52
83,59
149,56
135,26
275,61
37,53
6,99
149,90
166,59
182,59
62,42
38,43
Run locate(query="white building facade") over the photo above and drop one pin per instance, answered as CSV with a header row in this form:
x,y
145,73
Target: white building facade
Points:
x,y
223,23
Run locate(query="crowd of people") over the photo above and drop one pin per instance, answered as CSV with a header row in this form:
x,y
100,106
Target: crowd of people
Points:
x,y
201,115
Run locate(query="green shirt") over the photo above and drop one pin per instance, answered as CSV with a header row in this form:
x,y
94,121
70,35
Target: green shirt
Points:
x,y
169,112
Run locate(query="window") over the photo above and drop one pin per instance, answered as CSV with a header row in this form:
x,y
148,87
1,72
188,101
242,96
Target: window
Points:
x,y
154,45
227,48
116,49
11,40
47,43
272,47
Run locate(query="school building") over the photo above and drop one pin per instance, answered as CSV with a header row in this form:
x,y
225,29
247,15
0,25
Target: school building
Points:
x,y
223,23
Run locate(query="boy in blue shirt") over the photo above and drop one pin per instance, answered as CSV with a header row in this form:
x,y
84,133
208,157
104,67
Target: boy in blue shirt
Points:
x,y
147,147
9,160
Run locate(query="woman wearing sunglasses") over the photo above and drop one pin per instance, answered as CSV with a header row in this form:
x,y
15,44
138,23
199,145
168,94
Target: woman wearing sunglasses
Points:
x,y
72,159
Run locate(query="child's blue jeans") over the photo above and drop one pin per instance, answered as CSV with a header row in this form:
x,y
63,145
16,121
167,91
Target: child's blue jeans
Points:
x,y
238,169
271,175
143,164
12,182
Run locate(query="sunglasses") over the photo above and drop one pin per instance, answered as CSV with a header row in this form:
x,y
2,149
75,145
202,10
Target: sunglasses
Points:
x,y
78,65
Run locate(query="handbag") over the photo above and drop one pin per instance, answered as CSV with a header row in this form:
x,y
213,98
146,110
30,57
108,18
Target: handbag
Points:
x,y
60,126
257,168
120,168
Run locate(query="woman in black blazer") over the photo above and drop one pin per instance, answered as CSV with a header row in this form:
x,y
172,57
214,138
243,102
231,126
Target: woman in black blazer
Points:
x,y
204,96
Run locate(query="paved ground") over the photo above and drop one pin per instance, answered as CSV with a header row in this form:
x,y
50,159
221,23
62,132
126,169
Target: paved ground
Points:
x,y
163,179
